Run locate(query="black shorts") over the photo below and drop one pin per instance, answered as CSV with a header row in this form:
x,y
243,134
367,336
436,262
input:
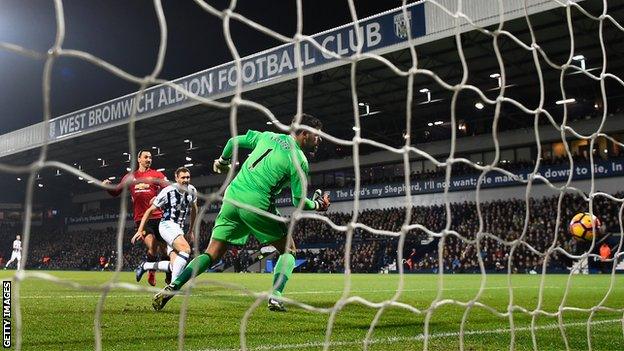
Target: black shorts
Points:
x,y
151,227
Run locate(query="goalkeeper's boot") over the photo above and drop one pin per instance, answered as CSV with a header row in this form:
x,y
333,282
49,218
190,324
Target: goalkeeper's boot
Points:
x,y
276,305
151,277
168,278
139,271
161,299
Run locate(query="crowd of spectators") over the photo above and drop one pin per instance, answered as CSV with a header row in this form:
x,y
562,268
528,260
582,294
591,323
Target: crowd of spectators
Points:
x,y
240,260
366,257
503,220
322,247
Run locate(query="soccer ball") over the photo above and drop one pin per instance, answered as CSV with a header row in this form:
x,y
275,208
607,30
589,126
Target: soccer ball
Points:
x,y
581,226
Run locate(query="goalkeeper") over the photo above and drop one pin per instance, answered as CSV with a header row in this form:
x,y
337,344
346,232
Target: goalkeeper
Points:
x,y
268,169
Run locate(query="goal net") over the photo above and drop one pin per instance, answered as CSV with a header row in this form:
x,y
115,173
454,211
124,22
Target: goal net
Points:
x,y
515,49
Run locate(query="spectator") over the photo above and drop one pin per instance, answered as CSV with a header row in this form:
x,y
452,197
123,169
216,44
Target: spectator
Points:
x,y
605,252
411,260
103,262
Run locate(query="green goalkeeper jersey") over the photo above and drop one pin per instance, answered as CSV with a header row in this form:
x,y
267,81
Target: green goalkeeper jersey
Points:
x,y
268,169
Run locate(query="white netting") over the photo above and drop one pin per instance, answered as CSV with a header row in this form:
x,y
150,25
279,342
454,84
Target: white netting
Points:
x,y
460,19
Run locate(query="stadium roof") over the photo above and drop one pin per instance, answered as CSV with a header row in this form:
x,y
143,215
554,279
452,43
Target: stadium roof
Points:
x,y
327,93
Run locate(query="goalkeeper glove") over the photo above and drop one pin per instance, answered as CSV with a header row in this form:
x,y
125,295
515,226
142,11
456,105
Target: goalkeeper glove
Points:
x,y
321,202
220,165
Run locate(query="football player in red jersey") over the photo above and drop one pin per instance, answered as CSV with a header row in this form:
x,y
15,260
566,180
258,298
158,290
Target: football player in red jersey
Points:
x,y
144,184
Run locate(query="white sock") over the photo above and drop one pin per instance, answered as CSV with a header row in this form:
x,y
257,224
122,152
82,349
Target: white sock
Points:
x,y
161,266
178,264
150,265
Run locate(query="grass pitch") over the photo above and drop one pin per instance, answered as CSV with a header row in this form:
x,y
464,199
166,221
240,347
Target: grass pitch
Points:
x,y
56,317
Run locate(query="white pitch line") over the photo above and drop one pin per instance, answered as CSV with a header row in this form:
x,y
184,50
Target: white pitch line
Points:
x,y
324,292
418,337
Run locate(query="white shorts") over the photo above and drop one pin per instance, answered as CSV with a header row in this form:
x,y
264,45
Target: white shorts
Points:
x,y
169,231
16,256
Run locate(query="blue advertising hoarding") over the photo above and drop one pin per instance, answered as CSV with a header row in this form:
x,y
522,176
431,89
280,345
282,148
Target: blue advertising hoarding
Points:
x,y
554,173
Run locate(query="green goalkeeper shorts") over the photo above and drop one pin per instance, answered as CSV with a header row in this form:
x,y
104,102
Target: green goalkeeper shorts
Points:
x,y
233,225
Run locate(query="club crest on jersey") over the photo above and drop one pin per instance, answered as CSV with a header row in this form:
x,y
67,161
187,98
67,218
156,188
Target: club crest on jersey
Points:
x,y
141,186
400,26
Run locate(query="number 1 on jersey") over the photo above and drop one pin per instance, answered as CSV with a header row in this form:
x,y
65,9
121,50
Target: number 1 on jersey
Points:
x,y
255,163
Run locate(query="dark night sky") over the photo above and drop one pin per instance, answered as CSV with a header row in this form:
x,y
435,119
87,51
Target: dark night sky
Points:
x,y
126,34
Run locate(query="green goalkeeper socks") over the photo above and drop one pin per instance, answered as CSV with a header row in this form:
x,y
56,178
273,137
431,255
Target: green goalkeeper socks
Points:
x,y
282,272
200,263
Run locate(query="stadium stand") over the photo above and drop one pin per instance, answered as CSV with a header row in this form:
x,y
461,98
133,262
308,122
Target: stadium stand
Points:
x,y
322,247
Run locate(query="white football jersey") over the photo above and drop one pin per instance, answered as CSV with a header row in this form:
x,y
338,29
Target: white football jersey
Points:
x,y
17,245
176,203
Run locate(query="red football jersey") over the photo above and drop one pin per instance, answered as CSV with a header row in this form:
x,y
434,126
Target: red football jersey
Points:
x,y
143,188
